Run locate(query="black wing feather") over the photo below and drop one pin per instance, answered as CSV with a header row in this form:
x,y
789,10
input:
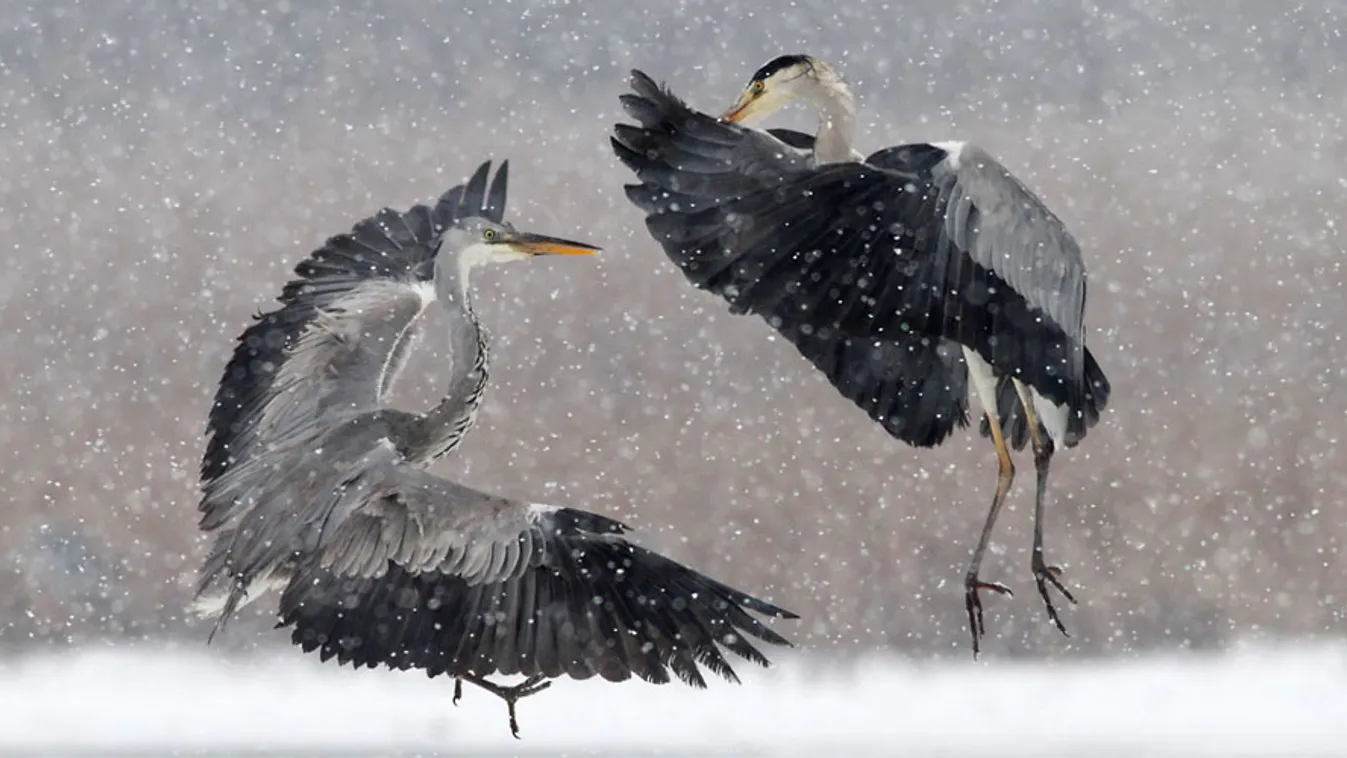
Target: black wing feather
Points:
x,y
914,387
915,279
597,605
854,249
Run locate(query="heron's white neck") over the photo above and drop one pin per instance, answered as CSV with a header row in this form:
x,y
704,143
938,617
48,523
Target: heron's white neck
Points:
x,y
449,420
837,121
451,286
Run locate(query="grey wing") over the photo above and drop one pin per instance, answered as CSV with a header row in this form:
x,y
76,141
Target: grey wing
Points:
x,y
343,360
336,368
408,570
1006,228
387,246
389,512
398,356
320,497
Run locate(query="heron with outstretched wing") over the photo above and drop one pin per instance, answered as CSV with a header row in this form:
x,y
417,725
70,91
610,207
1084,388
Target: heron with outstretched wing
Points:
x,y
313,486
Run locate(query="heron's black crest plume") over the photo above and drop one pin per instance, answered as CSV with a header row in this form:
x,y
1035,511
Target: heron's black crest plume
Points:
x,y
779,63
388,244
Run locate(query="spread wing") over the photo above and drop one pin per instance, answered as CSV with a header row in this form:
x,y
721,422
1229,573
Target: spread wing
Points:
x,y
913,386
409,570
884,249
328,325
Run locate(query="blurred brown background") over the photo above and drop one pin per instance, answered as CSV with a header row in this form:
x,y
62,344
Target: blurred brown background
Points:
x,y
163,165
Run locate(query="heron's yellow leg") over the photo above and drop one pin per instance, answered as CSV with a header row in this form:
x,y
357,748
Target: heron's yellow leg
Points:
x,y
1005,475
1044,574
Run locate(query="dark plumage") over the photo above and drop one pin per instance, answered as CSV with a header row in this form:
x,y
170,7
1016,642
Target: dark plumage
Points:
x,y
751,237
908,277
916,389
595,605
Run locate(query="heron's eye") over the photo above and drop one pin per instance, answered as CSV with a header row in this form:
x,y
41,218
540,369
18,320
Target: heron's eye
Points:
x,y
489,234
759,87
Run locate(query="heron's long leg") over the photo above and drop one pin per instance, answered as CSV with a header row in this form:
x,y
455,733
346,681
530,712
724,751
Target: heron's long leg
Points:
x,y
511,695
972,584
1044,574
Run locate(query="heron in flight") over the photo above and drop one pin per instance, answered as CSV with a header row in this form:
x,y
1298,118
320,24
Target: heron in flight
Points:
x,y
312,485
905,275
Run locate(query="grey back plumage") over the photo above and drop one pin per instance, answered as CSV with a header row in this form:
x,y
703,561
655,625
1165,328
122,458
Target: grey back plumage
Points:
x,y
1021,255
1003,226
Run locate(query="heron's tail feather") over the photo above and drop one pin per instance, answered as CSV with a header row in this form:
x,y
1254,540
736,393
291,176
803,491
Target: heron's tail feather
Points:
x,y
221,592
1016,428
1097,391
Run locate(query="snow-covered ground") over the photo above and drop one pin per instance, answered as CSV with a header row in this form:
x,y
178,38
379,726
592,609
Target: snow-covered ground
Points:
x,y
1254,702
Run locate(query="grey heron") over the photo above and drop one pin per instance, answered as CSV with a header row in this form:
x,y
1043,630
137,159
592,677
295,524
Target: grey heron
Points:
x,y
314,486
913,272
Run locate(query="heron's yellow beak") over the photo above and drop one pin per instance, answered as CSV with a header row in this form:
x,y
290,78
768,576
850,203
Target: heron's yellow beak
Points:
x,y
538,244
753,103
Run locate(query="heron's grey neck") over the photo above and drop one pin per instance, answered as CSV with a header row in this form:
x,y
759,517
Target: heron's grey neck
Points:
x,y
445,425
837,121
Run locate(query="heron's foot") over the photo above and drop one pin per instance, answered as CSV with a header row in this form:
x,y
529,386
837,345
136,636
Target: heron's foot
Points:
x,y
458,691
1045,575
973,602
511,695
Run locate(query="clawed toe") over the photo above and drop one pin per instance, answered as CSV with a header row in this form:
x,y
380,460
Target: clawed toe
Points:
x,y
973,604
511,695
1045,575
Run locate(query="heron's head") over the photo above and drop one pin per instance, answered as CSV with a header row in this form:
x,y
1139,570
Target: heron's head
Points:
x,y
476,241
784,80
